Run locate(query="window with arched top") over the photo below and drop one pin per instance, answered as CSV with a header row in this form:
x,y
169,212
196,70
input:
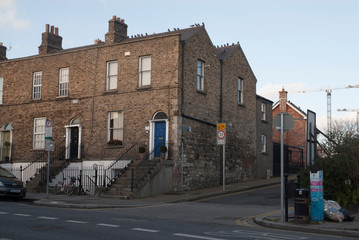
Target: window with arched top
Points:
x,y
75,121
160,115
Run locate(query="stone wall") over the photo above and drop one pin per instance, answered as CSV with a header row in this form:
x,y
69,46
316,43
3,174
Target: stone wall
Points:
x,y
202,110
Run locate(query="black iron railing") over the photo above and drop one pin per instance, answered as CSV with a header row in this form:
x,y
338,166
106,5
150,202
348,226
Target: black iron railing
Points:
x,y
112,172
57,164
145,167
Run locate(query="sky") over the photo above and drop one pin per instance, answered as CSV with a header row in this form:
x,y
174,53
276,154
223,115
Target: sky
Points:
x,y
301,45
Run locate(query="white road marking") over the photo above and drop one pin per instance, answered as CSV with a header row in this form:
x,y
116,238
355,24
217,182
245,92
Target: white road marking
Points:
x,y
196,236
256,235
107,225
4,213
5,239
47,218
21,215
145,230
74,221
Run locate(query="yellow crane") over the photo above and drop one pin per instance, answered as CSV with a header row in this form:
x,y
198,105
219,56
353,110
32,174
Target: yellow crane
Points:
x,y
329,100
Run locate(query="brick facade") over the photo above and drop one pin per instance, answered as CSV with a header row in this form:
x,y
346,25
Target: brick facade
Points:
x,y
192,114
296,137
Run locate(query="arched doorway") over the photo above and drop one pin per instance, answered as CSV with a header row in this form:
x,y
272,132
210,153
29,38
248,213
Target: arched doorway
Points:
x,y
73,139
159,132
6,142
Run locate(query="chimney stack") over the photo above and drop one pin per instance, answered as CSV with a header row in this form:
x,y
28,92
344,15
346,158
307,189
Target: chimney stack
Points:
x,y
283,100
2,52
117,30
51,41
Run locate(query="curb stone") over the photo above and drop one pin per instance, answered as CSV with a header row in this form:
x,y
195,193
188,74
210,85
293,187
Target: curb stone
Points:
x,y
299,228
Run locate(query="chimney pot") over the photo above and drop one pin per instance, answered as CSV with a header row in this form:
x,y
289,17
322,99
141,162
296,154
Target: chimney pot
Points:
x,y
117,30
283,100
50,42
2,52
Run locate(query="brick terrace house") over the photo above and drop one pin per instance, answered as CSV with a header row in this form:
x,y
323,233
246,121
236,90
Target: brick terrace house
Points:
x,y
169,89
295,139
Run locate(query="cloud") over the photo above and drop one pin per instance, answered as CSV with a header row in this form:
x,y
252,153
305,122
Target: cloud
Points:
x,y
270,91
9,18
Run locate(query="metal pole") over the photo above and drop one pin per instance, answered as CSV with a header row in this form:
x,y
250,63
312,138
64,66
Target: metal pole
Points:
x,y
224,167
182,161
80,181
310,145
286,196
48,174
281,167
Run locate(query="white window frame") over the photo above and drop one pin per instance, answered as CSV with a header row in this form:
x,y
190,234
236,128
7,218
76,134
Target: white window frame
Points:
x,y
39,133
1,89
145,69
263,112
111,75
263,143
64,82
200,75
119,127
240,91
37,85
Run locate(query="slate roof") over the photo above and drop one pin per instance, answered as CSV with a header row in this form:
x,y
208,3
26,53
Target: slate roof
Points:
x,y
186,34
292,105
226,51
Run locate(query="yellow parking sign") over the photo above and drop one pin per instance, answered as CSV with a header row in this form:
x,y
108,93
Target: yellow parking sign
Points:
x,y
221,126
221,134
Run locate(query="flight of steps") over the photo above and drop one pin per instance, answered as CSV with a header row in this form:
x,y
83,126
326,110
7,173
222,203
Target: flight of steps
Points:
x,y
121,188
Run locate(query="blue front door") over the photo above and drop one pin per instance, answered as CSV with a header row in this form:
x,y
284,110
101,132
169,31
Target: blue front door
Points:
x,y
160,137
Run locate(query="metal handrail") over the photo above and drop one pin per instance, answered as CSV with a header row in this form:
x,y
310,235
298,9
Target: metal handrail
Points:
x,y
122,156
145,171
53,168
109,178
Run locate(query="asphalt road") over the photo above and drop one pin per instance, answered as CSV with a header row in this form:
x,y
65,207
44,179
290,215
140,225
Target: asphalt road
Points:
x,y
264,197
226,217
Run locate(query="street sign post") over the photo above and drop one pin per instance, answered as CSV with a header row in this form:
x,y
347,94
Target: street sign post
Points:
x,y
221,140
221,134
49,147
48,129
282,122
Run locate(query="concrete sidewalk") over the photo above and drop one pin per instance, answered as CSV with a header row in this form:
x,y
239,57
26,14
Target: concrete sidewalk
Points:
x,y
90,201
348,229
344,229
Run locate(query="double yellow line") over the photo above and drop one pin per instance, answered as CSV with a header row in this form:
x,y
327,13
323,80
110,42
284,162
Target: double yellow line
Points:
x,y
245,221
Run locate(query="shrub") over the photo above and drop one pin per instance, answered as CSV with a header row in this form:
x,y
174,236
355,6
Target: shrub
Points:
x,y
340,172
163,149
141,149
